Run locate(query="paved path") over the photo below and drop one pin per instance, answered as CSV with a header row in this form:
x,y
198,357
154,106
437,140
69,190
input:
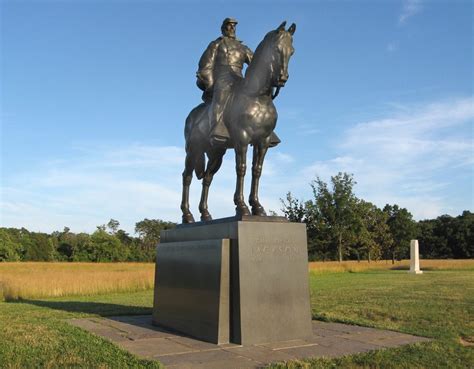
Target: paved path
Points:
x,y
137,335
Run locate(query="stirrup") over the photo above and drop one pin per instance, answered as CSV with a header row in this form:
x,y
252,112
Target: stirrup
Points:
x,y
219,140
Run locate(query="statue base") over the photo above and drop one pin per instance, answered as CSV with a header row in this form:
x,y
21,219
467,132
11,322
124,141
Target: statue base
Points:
x,y
243,280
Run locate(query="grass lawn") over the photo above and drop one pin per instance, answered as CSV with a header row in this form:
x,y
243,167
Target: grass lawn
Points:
x,y
437,304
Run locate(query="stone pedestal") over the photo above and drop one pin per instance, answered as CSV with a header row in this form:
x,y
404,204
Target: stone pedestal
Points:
x,y
192,288
241,281
414,258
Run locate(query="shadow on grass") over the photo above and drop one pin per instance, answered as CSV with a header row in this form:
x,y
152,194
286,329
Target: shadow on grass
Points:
x,y
407,268
99,308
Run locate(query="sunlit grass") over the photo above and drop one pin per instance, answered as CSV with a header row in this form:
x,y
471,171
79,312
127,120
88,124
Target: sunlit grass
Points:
x,y
29,280
38,280
355,266
437,304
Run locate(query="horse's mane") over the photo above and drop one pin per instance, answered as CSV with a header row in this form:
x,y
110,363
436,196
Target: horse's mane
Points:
x,y
263,51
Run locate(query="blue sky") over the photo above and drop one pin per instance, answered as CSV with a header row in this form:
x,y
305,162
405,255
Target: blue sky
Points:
x,y
94,95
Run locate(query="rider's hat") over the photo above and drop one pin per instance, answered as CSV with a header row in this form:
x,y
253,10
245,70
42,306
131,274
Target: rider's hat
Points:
x,y
229,20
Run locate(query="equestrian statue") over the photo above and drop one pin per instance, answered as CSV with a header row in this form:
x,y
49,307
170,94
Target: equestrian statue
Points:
x,y
236,112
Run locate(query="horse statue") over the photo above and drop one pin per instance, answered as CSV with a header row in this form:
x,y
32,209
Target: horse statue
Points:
x,y
250,116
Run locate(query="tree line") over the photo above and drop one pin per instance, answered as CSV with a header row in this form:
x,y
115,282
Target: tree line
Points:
x,y
340,226
107,243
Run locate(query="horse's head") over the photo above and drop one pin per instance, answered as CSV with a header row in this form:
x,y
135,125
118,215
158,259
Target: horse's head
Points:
x,y
282,44
269,67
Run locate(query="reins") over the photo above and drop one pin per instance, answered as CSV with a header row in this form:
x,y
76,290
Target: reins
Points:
x,y
277,91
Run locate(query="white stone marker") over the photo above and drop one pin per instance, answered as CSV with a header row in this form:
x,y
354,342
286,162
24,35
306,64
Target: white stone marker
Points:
x,y
414,258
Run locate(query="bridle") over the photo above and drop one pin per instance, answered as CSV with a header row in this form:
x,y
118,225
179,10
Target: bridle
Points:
x,y
275,92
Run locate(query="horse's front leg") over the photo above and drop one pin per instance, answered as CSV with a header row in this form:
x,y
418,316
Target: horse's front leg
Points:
x,y
240,168
259,152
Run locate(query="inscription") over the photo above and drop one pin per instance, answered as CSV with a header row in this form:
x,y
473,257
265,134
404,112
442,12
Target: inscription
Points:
x,y
282,248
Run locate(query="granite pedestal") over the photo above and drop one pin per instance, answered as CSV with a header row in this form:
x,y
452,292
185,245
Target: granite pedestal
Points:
x,y
243,281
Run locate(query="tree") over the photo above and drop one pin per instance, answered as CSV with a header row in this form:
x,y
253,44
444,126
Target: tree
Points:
x,y
329,216
37,246
373,233
365,222
113,225
106,247
433,243
463,236
403,229
447,236
149,231
294,210
8,248
336,209
65,244
124,237
81,248
319,243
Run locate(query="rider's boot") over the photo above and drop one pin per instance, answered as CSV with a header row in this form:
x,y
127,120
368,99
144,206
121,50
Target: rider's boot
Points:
x,y
219,134
274,139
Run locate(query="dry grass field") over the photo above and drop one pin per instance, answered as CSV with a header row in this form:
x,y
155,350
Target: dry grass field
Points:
x,y
37,279
355,266
26,280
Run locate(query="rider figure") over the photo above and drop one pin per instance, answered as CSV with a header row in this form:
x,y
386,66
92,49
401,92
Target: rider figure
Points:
x,y
220,67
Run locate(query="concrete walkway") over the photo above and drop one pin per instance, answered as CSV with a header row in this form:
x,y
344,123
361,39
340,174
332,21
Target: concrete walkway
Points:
x,y
137,335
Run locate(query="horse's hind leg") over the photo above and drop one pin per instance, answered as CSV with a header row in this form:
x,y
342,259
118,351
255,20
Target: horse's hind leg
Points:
x,y
259,152
187,178
213,165
240,168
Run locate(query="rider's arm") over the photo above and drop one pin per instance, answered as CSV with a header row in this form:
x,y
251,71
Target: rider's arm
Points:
x,y
248,55
206,66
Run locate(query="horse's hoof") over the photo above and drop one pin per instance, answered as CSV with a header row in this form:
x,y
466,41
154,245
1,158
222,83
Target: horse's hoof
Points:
x,y
205,216
259,211
188,218
242,210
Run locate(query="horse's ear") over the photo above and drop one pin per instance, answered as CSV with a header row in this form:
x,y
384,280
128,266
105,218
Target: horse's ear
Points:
x,y
281,27
292,29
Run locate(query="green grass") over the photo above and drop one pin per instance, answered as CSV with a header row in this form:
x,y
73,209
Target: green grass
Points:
x,y
35,334
437,304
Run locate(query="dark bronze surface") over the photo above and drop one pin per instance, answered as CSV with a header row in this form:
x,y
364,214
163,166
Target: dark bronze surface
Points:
x,y
241,218
237,112
192,288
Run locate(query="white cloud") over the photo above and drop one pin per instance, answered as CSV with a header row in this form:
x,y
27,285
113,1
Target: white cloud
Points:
x,y
399,159
410,8
306,129
126,183
403,159
285,158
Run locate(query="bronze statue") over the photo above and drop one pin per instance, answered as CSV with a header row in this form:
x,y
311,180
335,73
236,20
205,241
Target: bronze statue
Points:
x,y
220,67
236,112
